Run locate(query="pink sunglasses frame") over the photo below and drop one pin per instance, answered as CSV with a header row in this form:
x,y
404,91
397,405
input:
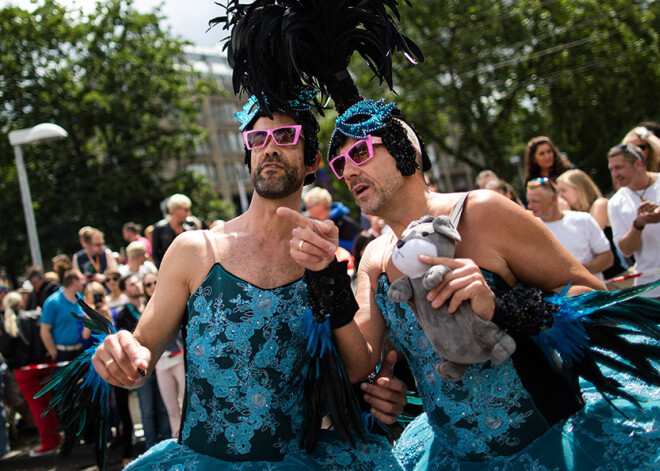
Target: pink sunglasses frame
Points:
x,y
269,133
370,140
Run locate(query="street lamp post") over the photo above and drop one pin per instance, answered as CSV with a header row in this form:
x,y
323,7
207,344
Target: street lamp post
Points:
x,y
40,133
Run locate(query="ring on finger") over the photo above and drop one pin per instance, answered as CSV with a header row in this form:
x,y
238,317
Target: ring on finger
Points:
x,y
109,362
300,245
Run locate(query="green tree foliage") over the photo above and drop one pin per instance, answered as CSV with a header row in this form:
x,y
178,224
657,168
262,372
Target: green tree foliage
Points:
x,y
114,80
499,72
206,204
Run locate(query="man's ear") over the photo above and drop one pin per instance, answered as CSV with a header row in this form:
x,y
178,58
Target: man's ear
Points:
x,y
314,167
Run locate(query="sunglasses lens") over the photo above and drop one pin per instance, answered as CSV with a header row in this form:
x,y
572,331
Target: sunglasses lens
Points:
x,y
256,139
286,135
338,166
359,152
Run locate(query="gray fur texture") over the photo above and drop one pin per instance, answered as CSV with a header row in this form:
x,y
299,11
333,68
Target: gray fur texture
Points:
x,y
461,338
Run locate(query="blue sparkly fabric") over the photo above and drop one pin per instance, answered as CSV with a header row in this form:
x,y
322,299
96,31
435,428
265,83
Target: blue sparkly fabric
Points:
x,y
488,420
246,361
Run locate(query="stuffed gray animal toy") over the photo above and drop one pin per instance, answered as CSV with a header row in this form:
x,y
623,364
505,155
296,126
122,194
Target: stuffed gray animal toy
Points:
x,y
461,338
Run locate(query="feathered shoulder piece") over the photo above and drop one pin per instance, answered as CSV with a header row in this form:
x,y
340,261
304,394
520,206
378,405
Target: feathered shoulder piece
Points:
x,y
277,46
591,333
78,392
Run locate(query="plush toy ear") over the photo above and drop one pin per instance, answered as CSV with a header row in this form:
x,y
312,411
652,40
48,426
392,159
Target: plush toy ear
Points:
x,y
425,219
442,225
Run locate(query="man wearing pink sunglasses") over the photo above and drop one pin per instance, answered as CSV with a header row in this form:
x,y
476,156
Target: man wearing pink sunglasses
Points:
x,y
241,298
501,245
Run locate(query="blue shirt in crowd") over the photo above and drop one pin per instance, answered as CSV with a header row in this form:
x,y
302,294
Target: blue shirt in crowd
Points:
x,y
57,312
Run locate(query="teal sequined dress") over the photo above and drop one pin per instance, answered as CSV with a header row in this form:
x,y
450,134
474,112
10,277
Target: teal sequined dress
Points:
x,y
497,417
246,361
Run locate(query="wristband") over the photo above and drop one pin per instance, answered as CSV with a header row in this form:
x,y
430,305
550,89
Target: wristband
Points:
x,y
329,294
522,310
636,226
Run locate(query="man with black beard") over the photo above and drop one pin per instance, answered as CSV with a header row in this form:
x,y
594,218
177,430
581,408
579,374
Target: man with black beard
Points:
x,y
241,298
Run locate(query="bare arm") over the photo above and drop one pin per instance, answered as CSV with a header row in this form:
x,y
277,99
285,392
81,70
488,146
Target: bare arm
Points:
x,y
75,263
600,262
161,320
599,212
47,339
361,347
631,241
505,239
355,339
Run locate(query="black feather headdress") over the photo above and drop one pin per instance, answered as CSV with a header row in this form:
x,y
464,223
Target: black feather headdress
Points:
x,y
279,45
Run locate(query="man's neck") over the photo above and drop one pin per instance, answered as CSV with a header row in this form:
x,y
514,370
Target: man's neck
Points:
x,y
551,216
642,180
413,201
261,216
70,294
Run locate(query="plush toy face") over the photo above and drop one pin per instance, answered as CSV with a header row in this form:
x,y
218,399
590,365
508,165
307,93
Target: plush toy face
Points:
x,y
435,237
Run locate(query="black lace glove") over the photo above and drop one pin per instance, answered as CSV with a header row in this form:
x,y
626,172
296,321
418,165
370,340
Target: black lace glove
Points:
x,y
522,310
329,294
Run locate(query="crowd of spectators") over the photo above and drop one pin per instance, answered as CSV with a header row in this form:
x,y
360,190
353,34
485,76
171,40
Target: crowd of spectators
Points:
x,y
38,334
615,238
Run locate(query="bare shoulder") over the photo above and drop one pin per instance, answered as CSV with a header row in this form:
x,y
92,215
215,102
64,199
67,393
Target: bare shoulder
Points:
x,y
189,259
486,207
376,251
598,206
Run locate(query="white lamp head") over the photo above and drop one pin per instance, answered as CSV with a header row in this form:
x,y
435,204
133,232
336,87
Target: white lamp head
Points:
x,y
40,133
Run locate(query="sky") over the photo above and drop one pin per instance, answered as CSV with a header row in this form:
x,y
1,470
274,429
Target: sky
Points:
x,y
186,18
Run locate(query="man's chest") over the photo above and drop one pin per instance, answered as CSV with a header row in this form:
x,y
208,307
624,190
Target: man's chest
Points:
x,y
265,267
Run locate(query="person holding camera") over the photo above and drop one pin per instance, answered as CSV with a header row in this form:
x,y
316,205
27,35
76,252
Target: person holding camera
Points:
x,y
95,257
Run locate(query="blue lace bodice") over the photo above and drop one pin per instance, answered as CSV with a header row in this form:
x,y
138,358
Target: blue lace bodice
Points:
x,y
246,363
486,414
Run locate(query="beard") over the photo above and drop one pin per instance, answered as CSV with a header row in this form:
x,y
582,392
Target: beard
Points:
x,y
380,195
277,187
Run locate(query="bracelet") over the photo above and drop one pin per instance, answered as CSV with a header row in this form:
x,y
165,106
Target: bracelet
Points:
x,y
329,294
638,227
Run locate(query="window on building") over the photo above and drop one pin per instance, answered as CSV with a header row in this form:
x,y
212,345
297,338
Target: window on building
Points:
x,y
207,170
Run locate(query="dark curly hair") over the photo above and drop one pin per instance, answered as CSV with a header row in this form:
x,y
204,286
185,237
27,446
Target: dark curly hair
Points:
x,y
395,139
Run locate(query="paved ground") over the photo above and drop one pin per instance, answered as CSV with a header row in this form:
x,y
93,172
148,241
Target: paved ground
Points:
x,y
82,458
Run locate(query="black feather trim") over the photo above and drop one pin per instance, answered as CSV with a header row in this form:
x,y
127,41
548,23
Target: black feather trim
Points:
x,y
279,45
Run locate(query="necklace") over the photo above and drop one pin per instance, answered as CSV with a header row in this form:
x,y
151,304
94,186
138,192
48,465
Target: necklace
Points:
x,y
648,185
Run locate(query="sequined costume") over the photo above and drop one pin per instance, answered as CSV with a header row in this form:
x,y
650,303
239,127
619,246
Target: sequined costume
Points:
x,y
522,414
246,360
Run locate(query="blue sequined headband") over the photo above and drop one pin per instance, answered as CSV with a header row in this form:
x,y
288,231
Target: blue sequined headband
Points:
x,y
377,111
302,103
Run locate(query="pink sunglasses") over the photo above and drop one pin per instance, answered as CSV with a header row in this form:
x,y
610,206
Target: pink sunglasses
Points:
x,y
283,136
359,153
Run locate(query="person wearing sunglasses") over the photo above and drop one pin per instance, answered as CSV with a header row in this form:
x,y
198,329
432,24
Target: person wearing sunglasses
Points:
x,y
499,415
116,298
634,211
241,299
648,142
577,231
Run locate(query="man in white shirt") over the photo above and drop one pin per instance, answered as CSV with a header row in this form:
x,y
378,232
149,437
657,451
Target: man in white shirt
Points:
x,y
577,231
634,212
